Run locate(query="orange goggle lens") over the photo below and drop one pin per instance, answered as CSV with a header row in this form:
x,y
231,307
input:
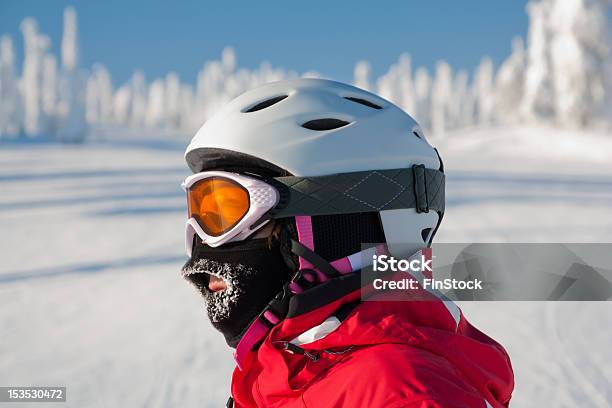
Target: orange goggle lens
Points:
x,y
217,204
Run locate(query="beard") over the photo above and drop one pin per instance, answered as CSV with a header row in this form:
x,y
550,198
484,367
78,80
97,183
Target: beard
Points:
x,y
253,273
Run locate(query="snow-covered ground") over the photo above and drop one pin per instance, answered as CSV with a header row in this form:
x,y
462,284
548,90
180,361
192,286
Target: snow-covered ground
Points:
x,y
92,242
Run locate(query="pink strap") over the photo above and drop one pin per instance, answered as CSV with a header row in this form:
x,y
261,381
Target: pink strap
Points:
x,y
258,330
342,265
303,224
271,317
255,333
294,287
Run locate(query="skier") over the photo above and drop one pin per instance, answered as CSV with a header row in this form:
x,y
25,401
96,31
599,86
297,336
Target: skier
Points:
x,y
290,180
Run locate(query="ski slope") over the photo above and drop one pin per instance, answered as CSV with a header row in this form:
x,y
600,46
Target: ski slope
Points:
x,y
92,242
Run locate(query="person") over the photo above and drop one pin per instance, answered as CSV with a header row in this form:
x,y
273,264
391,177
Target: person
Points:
x,y
295,183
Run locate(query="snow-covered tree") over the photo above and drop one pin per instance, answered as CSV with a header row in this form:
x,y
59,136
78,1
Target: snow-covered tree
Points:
x,y
172,101
361,75
509,84
122,102
441,98
483,91
155,114
538,97
209,89
422,93
137,99
579,47
35,46
10,99
99,96
397,85
228,60
406,83
566,77
186,104
69,40
50,93
462,102
562,76
72,126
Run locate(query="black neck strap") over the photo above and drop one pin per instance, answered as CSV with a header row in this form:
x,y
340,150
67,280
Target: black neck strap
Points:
x,y
317,261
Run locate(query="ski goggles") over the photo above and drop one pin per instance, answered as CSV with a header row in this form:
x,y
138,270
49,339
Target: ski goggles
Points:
x,y
227,207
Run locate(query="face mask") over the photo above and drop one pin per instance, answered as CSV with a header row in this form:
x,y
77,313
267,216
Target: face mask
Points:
x,y
253,273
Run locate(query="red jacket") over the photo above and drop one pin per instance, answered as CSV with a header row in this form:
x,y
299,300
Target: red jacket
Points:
x,y
418,354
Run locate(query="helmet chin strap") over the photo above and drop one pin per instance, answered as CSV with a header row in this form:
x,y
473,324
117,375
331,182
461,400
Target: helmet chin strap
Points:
x,y
313,270
304,279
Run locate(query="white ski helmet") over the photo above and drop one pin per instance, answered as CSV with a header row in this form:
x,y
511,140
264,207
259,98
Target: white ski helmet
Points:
x,y
316,127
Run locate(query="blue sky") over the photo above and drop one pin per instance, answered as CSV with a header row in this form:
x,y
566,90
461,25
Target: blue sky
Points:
x,y
325,36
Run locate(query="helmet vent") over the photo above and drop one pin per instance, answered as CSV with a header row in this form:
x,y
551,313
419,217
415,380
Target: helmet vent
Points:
x,y
324,124
416,134
363,102
265,104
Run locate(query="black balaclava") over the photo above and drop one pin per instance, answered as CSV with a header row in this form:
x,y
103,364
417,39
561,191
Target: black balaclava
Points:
x,y
256,269
253,270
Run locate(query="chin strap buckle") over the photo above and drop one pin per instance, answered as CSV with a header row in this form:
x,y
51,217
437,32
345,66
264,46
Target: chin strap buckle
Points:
x,y
303,280
420,188
276,309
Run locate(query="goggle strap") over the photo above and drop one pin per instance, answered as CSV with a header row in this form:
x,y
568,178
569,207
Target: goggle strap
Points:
x,y
256,224
417,187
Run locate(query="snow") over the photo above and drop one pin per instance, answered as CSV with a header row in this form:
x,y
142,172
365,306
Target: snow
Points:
x,y
91,295
547,186
90,289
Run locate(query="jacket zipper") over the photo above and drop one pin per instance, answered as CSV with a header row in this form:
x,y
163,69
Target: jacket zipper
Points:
x,y
295,349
